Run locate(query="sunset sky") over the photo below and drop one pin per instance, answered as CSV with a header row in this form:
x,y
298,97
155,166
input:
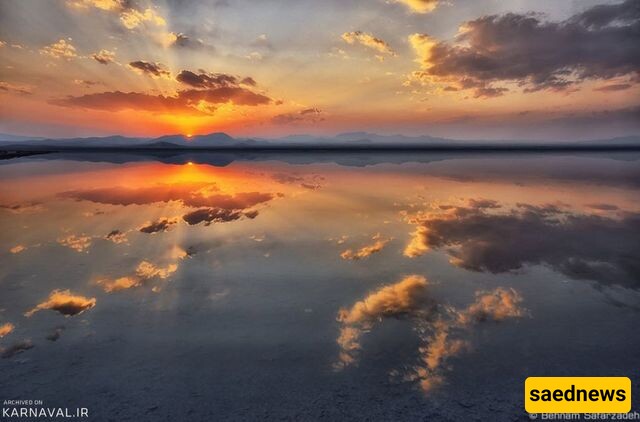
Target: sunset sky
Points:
x,y
522,69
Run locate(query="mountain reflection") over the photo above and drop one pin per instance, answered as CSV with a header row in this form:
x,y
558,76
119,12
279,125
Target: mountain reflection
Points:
x,y
318,278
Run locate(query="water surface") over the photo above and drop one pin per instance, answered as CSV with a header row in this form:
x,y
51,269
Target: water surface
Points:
x,y
315,286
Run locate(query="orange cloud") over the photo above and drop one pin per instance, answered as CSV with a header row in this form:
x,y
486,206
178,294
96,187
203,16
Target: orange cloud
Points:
x,y
369,41
77,243
60,50
104,56
64,302
17,249
6,328
365,251
419,6
402,298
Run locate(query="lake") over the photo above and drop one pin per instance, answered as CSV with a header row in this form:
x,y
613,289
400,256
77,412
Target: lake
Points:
x,y
381,286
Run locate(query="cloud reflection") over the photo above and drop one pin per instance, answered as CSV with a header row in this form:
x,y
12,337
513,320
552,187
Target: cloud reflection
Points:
x,y
64,302
440,328
365,251
6,328
499,239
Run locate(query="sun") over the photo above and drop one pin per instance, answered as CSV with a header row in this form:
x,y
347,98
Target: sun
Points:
x,y
189,135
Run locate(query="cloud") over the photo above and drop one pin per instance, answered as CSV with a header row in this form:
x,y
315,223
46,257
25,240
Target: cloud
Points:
x,y
227,94
498,240
614,87
206,80
147,270
118,101
104,56
144,271
27,207
132,18
211,215
77,243
64,302
365,251
6,329
17,249
525,51
441,328
161,225
402,298
369,41
118,284
131,14
155,70
311,182
192,101
15,349
442,337
398,299
419,6
180,40
307,115
55,334
194,195
116,236
497,305
20,89
60,50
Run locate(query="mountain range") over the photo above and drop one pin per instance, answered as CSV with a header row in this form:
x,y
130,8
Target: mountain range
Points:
x,y
350,140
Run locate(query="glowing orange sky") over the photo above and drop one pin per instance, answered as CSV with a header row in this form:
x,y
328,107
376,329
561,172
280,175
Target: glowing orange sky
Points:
x,y
98,67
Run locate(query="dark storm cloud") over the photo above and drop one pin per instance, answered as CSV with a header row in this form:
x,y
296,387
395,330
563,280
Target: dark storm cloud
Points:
x,y
15,349
161,225
580,246
601,43
150,69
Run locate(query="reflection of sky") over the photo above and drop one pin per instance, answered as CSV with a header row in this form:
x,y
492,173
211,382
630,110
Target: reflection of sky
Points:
x,y
303,286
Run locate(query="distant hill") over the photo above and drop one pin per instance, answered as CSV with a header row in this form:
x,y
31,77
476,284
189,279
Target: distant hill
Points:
x,y
6,137
350,140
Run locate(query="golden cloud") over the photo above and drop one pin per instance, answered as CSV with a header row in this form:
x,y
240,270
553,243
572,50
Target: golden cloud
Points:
x,y
6,328
104,56
60,50
419,6
368,40
77,243
64,302
365,251
147,270
121,283
496,305
17,249
402,298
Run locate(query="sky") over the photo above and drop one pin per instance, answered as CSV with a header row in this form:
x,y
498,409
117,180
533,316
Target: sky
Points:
x,y
465,69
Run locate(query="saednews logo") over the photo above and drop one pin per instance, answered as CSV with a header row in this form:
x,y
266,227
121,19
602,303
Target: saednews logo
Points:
x,y
577,395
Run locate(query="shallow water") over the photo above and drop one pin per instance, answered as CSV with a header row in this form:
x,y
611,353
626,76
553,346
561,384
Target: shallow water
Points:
x,y
315,286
